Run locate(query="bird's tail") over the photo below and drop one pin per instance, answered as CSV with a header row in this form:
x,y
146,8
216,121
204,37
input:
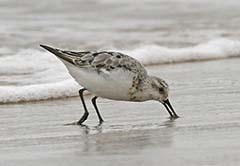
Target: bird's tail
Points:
x,y
63,55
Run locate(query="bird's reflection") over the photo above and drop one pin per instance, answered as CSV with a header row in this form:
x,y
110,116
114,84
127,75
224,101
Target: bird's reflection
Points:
x,y
85,128
169,123
116,139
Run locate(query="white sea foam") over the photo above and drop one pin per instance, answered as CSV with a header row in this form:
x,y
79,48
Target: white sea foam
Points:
x,y
34,75
214,49
37,75
38,91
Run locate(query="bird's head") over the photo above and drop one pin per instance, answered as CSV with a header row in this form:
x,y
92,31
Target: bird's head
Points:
x,y
160,92
159,89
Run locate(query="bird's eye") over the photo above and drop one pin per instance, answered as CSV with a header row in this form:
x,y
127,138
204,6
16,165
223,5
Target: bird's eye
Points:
x,y
161,89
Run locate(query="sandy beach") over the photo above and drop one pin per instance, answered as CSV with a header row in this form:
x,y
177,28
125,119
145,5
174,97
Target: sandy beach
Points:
x,y
205,95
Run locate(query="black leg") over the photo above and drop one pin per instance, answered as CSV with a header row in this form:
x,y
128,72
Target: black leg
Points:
x,y
96,108
85,115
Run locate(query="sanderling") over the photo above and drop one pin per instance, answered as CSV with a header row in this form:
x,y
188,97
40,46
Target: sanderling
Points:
x,y
112,75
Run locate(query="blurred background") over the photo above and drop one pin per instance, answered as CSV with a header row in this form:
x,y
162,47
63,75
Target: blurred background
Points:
x,y
152,31
110,24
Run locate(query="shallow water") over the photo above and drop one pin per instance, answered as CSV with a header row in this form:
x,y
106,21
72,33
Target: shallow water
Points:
x,y
205,95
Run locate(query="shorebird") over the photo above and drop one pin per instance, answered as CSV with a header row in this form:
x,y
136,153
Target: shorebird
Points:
x,y
112,75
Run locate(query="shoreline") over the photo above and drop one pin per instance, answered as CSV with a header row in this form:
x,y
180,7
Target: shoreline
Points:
x,y
88,93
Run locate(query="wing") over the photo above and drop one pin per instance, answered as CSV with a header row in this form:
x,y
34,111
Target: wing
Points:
x,y
104,61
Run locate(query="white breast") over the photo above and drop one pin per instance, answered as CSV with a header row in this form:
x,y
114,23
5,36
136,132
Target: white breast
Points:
x,y
112,85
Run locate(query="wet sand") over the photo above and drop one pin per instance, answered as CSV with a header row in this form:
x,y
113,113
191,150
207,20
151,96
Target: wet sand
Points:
x,y
205,94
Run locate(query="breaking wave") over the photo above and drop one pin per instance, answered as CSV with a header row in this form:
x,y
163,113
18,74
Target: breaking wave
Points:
x,y
38,75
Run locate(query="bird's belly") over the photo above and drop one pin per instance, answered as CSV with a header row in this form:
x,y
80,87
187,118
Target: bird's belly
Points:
x,y
114,85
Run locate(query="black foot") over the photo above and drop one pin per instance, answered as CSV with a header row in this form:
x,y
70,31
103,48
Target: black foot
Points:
x,y
83,118
73,123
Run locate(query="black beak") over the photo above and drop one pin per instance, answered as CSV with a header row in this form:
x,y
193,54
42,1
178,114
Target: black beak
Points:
x,y
170,109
